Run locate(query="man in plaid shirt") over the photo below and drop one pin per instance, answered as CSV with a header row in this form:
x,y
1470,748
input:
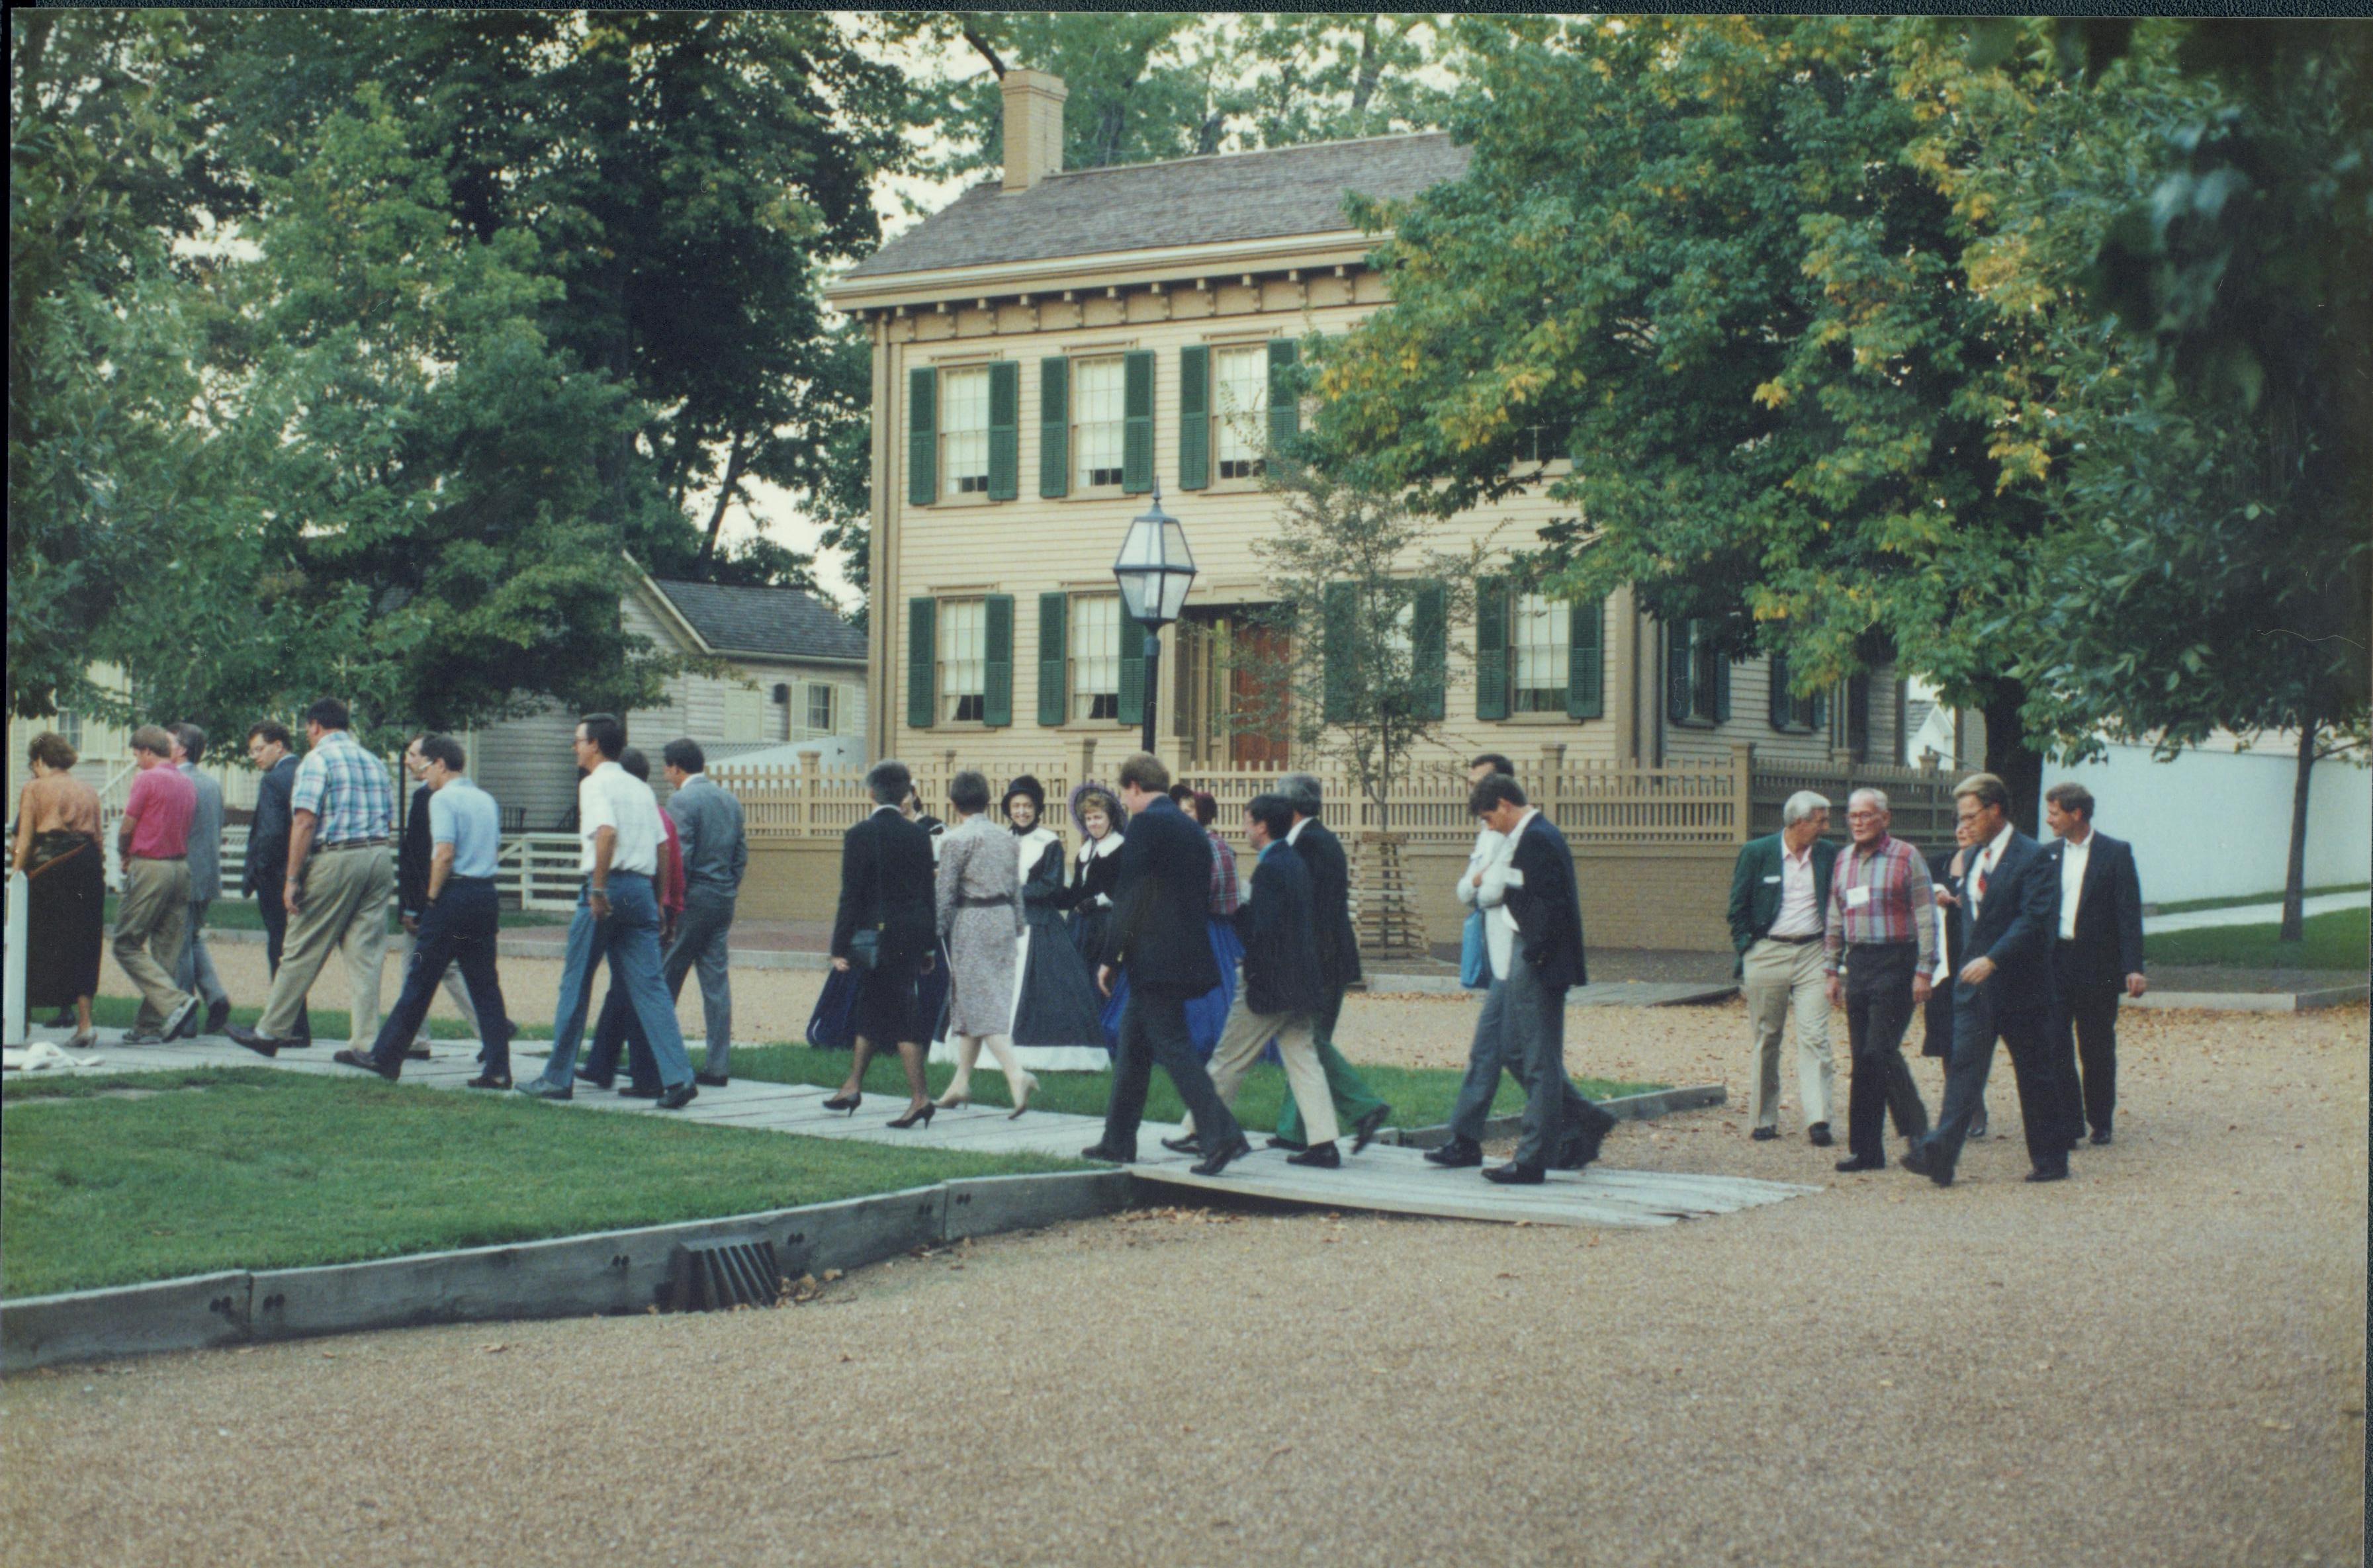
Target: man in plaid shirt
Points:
x,y
341,876
1881,938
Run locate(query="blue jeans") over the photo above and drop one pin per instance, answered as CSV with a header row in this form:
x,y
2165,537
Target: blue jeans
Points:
x,y
629,940
194,970
699,946
460,927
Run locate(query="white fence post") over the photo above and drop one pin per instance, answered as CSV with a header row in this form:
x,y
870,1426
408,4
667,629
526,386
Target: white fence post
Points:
x,y
20,922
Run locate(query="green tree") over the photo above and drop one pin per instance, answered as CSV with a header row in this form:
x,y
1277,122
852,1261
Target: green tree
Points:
x,y
109,484
1697,244
687,177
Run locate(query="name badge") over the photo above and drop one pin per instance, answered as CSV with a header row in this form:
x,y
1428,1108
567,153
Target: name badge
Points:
x,y
1772,878
1856,898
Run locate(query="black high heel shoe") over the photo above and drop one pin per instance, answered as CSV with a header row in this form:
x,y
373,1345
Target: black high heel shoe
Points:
x,y
844,1103
920,1117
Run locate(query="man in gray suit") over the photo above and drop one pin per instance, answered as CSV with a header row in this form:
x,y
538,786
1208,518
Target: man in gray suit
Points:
x,y
708,824
194,971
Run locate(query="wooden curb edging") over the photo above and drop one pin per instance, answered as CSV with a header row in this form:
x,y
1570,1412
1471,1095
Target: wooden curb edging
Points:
x,y
604,1273
1623,1107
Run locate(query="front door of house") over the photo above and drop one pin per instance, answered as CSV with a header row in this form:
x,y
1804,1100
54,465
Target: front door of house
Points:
x,y
1232,681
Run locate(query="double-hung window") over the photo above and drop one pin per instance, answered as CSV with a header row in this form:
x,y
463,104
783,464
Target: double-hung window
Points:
x,y
963,431
1098,394
964,658
1096,656
1240,410
1540,650
820,709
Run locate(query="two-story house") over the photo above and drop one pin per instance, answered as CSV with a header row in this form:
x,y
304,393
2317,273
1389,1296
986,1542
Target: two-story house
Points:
x,y
1050,342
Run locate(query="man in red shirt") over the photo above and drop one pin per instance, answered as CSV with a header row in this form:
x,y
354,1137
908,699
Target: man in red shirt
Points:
x,y
152,917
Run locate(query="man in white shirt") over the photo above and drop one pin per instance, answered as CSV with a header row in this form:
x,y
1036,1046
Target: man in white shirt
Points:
x,y
2097,954
1779,899
617,918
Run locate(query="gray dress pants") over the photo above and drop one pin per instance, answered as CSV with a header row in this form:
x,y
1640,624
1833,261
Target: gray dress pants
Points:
x,y
1503,1044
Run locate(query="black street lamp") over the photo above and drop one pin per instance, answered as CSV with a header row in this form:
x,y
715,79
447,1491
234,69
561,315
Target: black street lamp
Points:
x,y
1154,571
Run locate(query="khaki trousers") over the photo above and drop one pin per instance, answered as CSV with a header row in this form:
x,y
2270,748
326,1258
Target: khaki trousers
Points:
x,y
344,910
1782,976
1240,1043
152,922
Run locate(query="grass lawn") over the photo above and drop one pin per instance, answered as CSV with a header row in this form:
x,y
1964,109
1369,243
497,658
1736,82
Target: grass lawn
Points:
x,y
254,1169
241,914
1419,1097
2336,941
2189,904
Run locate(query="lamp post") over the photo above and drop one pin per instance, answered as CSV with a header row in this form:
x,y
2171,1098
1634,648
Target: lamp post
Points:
x,y
1154,570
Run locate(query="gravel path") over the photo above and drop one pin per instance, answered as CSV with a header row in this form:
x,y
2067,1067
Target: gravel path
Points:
x,y
2159,1363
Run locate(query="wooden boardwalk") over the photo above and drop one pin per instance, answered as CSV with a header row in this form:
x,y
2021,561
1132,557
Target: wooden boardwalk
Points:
x,y
1382,1177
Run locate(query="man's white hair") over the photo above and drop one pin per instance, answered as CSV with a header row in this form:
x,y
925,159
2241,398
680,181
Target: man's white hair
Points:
x,y
1802,804
1877,798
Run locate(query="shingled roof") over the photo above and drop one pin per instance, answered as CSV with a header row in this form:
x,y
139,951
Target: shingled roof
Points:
x,y
775,622
1187,201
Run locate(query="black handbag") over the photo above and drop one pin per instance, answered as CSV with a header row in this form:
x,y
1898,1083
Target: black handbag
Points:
x,y
865,944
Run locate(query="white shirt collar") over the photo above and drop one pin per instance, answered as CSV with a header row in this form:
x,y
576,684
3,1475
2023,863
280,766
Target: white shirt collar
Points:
x,y
1097,849
1295,831
2000,842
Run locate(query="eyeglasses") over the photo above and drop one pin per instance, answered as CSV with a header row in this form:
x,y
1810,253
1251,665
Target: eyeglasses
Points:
x,y
1864,816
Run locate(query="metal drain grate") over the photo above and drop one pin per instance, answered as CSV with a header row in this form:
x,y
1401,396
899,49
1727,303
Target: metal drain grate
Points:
x,y
711,1276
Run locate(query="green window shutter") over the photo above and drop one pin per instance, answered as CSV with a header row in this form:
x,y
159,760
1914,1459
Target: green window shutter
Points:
x,y
1340,631
996,672
1004,430
1784,707
1194,417
922,664
1284,393
1492,648
1821,710
1054,624
1721,687
922,437
1054,426
1132,668
1586,667
1679,642
1137,423
1430,642
1858,715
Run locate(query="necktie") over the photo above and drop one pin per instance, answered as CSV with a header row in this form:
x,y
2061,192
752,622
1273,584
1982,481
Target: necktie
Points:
x,y
1985,864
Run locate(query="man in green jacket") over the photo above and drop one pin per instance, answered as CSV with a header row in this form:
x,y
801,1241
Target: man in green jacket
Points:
x,y
1778,898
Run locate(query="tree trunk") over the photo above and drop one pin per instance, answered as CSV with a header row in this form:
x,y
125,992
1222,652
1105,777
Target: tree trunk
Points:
x,y
2011,759
2294,874
730,487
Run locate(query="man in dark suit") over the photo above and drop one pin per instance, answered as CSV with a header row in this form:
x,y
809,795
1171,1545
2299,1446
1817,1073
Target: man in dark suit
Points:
x,y
1284,989
2098,953
1160,934
2010,900
1945,869
268,746
886,888
1356,1106
1535,884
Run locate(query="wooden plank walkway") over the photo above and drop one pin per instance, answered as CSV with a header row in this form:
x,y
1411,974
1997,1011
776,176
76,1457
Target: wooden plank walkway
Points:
x,y
1382,1177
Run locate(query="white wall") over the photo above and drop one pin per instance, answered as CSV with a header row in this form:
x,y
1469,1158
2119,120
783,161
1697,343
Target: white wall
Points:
x,y
2216,825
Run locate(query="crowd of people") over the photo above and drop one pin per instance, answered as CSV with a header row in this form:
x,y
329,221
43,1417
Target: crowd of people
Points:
x,y
325,862
1999,938
1144,947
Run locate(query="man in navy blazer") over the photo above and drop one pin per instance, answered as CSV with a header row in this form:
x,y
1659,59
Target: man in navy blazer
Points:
x,y
2098,954
2010,905
1160,934
1535,884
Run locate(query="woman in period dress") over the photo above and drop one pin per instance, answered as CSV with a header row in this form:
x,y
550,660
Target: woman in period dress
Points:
x,y
1057,1016
1207,1014
980,921
59,849
1095,869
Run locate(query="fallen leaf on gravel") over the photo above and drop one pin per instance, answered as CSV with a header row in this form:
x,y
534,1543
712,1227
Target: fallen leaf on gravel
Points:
x,y
495,1349
830,1275
1505,1275
2271,1425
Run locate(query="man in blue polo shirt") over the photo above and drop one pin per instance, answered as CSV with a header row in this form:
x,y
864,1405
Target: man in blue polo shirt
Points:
x,y
458,921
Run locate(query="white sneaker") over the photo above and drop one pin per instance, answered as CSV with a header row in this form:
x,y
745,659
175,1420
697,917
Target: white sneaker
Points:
x,y
178,1016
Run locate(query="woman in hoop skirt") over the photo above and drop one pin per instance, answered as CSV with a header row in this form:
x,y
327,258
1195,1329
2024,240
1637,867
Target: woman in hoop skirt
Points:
x,y
1057,1016
1206,1014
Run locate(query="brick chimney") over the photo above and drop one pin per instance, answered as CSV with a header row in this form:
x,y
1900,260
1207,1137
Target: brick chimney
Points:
x,y
1034,126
